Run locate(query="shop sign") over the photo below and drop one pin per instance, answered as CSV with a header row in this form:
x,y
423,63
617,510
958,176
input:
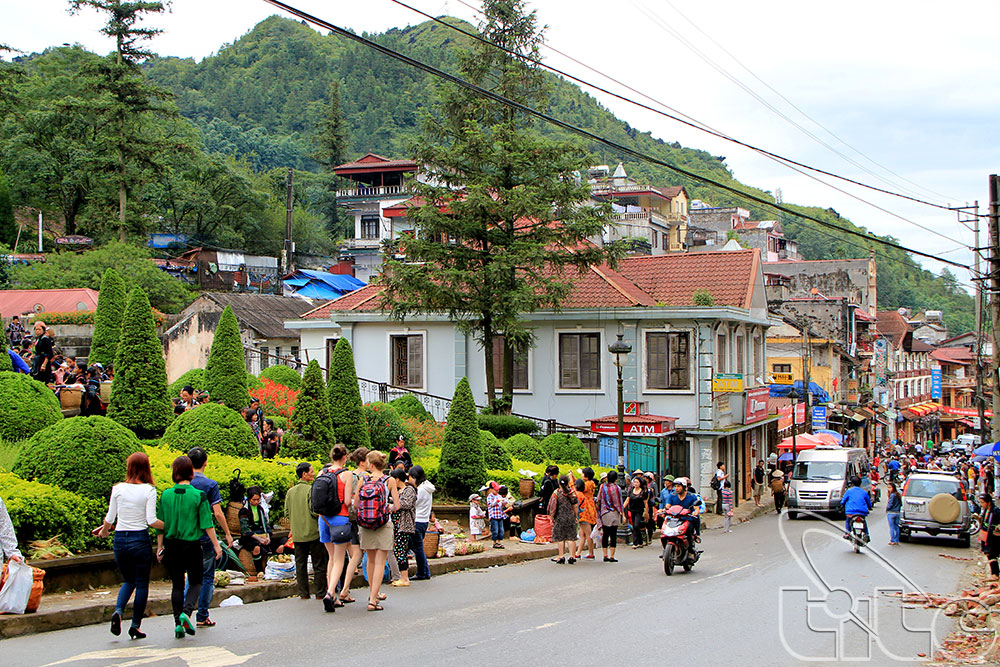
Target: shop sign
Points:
x,y
881,348
936,383
782,378
755,408
74,239
819,417
654,428
727,383
630,408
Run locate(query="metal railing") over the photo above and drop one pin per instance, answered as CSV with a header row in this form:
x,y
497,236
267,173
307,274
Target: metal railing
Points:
x,y
373,191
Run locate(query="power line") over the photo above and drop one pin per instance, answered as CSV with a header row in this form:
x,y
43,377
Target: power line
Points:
x,y
694,123
639,155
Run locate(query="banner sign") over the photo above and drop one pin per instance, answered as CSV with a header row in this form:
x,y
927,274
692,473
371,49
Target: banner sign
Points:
x,y
881,348
819,417
964,412
755,408
935,383
727,383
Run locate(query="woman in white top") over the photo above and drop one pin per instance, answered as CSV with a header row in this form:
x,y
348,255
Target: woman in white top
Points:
x,y
132,511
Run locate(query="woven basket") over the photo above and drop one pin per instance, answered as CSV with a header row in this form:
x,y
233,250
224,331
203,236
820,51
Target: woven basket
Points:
x,y
106,391
233,517
284,523
431,544
69,398
247,560
526,487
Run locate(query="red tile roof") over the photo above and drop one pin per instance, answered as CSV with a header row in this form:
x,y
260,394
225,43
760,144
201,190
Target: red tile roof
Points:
x,y
890,323
954,355
22,301
373,162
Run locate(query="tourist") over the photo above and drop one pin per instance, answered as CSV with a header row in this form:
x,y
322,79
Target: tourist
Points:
x,y
8,538
564,508
187,397
496,512
477,517
549,484
509,518
336,530
649,518
131,512
421,519
17,362
893,506
269,446
720,476
186,515
778,490
637,505
304,528
257,410
588,514
41,361
612,513
399,452
255,529
402,522
759,477
375,500
90,401
199,459
16,332
990,533
251,418
727,506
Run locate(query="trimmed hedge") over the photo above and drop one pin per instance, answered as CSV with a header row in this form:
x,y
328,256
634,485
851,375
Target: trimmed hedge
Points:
x,y
5,363
565,448
111,302
462,463
226,370
504,426
409,405
281,374
194,377
85,455
384,426
347,413
26,406
494,454
525,448
214,427
40,511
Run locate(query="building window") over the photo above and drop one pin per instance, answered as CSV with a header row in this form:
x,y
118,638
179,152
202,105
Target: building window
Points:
x,y
277,356
579,361
330,344
263,358
369,226
520,366
781,368
295,356
740,354
656,238
721,356
758,364
665,241
667,360
407,354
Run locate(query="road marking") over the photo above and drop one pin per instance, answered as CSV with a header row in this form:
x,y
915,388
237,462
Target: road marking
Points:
x,y
538,627
722,574
195,656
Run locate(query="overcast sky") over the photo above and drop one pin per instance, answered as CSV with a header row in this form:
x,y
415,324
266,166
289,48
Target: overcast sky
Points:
x,y
912,87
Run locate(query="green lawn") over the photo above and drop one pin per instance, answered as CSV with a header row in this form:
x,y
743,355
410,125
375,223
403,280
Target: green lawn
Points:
x,y
8,454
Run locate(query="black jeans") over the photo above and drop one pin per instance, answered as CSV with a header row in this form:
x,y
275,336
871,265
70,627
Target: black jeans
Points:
x,y
320,558
609,537
417,547
637,524
779,500
134,557
182,557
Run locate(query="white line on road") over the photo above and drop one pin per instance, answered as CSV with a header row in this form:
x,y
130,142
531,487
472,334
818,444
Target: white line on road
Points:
x,y
722,574
538,627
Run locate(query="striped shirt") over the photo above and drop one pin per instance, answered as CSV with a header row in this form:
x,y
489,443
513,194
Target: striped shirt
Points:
x,y
727,499
609,499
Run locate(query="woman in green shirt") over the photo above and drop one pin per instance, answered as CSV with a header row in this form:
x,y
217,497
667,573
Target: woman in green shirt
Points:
x,y
186,515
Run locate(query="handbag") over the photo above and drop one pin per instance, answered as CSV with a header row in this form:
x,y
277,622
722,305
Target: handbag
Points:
x,y
338,534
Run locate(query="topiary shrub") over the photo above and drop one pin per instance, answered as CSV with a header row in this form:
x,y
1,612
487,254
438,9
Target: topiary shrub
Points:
x,y
214,427
26,406
253,382
194,377
85,455
313,433
494,454
111,303
565,448
40,511
346,410
226,370
504,426
525,448
5,363
409,405
281,374
462,465
384,426
139,398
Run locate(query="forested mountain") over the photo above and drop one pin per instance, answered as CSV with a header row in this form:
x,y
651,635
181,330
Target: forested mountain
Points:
x,y
254,108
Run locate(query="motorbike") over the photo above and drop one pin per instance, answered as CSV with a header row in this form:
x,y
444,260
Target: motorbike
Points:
x,y
857,536
677,539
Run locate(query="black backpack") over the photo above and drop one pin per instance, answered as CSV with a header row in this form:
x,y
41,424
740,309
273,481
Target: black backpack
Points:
x,y
715,483
326,494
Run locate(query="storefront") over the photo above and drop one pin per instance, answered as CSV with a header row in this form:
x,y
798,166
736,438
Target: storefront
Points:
x,y
646,442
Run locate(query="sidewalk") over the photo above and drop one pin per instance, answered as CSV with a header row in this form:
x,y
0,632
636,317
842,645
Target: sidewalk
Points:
x,y
745,511
59,611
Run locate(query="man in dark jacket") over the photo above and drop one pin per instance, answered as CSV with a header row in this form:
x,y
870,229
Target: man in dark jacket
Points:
x,y
41,362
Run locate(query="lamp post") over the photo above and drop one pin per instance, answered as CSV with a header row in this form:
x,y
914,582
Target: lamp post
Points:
x,y
621,350
794,395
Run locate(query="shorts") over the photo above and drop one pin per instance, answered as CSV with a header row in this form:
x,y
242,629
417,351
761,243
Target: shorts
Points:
x,y
355,534
324,529
380,538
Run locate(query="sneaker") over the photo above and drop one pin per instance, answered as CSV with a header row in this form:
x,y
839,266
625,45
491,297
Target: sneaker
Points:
x,y
590,557
612,560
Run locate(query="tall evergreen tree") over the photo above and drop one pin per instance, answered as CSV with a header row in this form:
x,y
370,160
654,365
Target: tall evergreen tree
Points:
x,y
508,196
463,463
111,302
331,143
139,399
226,370
5,363
8,227
313,435
346,411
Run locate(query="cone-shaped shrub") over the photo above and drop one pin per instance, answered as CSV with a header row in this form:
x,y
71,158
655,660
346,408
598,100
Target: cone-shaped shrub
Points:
x,y
346,413
111,302
5,363
313,436
139,398
494,454
226,371
462,467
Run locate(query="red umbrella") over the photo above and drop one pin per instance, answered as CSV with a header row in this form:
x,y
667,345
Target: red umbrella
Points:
x,y
803,441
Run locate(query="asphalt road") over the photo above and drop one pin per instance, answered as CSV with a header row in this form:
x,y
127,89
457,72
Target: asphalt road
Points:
x,y
746,602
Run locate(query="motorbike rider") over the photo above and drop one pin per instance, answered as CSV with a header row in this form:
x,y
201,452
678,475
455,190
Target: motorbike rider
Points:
x,y
688,501
856,502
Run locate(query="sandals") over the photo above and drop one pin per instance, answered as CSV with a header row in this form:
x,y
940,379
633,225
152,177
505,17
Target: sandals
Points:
x,y
382,597
207,623
375,606
347,600
558,561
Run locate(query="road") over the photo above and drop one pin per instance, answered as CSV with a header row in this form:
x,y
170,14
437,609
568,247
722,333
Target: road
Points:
x,y
738,606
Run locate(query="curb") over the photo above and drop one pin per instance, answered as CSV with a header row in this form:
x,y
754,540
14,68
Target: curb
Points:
x,y
93,612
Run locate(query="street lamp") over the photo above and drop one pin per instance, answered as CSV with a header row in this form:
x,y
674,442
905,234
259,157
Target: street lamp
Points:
x,y
794,395
621,350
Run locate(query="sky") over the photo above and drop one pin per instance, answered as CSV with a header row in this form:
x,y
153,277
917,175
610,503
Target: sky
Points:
x,y
904,95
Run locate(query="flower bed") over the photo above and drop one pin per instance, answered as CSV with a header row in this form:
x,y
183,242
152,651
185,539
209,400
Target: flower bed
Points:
x,y
275,399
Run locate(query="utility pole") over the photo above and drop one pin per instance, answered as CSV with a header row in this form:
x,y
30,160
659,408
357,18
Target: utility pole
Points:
x,y
286,254
994,292
980,399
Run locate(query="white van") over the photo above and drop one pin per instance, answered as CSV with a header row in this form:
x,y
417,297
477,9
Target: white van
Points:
x,y
822,475
969,442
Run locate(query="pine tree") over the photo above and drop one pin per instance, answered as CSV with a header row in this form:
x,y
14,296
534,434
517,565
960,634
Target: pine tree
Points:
x,y
313,435
226,371
139,399
108,318
463,464
8,226
346,413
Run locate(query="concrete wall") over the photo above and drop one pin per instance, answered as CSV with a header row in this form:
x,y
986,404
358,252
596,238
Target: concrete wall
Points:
x,y
853,279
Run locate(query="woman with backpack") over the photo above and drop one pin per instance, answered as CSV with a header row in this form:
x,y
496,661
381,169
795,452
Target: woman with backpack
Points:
x,y
375,500
611,512
333,493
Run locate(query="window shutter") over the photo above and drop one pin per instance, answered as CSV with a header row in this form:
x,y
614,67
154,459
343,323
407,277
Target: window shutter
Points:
x,y
590,361
415,361
656,361
679,361
569,360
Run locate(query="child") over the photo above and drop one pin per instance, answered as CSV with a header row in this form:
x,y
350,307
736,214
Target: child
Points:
x,y
496,510
477,517
727,506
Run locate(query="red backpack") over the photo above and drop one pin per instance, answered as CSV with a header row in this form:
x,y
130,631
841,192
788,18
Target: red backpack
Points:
x,y
373,503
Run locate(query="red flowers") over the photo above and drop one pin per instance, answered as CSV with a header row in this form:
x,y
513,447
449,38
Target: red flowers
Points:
x,y
275,399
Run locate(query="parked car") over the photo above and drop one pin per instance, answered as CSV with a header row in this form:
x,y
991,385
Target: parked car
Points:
x,y
821,476
936,503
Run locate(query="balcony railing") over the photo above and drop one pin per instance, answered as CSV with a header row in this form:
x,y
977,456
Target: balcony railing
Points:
x,y
372,191
362,243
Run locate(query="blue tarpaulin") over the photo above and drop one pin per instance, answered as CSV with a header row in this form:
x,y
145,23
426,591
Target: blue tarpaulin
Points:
x,y
782,390
321,285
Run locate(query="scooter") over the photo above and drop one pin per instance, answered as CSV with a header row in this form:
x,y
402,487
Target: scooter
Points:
x,y
677,539
858,536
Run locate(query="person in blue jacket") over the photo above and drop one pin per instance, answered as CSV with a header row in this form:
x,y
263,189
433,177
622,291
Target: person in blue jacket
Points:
x,y
18,363
856,502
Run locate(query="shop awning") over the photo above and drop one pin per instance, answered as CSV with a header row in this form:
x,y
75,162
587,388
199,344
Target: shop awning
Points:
x,y
966,422
641,425
802,441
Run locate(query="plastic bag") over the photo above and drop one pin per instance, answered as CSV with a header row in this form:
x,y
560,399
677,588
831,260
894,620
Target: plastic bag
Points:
x,y
274,571
528,536
447,543
232,601
16,589
387,575
595,534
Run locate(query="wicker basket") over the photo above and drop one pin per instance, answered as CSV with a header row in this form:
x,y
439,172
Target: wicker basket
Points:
x,y
69,398
246,558
106,391
526,487
284,523
233,517
431,544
